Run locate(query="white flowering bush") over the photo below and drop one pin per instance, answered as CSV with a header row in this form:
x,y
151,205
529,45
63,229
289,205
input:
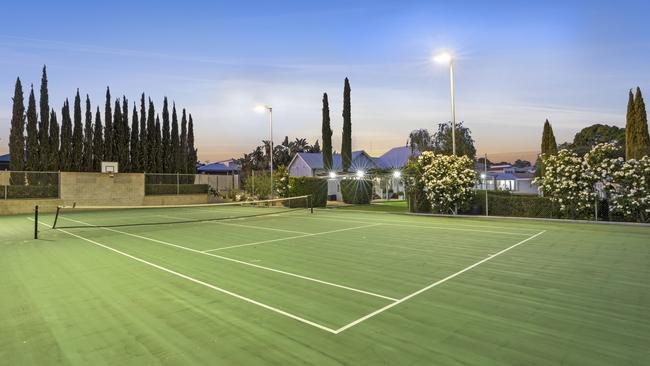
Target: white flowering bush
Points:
x,y
448,180
567,183
281,181
630,193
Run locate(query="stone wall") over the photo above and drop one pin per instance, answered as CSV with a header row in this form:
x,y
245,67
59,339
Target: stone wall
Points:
x,y
96,189
184,199
26,206
100,189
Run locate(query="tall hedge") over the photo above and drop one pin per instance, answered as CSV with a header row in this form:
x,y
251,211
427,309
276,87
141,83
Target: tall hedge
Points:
x,y
309,186
356,191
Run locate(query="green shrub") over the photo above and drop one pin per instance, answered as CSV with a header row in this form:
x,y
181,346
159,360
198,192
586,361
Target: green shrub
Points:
x,y
166,189
356,191
30,191
309,186
506,204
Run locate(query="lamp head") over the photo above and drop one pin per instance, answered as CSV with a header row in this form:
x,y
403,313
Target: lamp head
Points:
x,y
332,175
360,173
443,58
397,174
261,108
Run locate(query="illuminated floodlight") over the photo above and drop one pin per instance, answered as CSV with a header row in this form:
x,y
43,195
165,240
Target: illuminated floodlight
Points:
x,y
443,58
482,175
260,108
360,173
397,174
332,175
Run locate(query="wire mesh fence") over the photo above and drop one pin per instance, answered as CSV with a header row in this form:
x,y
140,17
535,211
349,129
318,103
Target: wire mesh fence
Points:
x,y
24,184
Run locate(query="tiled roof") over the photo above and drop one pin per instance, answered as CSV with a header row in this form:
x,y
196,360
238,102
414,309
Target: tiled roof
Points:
x,y
5,158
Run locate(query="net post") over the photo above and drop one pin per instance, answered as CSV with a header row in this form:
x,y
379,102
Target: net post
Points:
x,y
310,203
56,217
36,222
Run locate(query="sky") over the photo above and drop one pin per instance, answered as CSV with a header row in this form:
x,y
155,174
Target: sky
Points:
x,y
516,64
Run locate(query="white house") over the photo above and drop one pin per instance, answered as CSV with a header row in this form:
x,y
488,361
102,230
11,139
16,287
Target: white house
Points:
x,y
311,165
508,178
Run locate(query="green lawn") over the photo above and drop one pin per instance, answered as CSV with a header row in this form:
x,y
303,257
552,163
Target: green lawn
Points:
x,y
334,287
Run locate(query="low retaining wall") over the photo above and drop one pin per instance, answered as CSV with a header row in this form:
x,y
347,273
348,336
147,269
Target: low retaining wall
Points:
x,y
184,199
25,206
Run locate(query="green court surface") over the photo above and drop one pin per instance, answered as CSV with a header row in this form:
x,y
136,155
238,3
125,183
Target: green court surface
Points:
x,y
333,287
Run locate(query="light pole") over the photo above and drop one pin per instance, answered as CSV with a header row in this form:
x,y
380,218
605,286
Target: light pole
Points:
x,y
446,58
262,108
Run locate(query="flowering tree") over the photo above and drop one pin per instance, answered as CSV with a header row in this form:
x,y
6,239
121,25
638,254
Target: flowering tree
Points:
x,y
566,182
448,180
630,195
281,181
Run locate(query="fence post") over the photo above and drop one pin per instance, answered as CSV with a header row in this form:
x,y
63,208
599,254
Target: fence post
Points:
x,y
178,184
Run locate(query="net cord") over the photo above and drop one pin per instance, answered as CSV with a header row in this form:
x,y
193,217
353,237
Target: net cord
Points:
x,y
181,206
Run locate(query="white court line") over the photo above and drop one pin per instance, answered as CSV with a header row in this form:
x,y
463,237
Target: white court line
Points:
x,y
349,325
227,292
391,223
237,261
240,225
291,237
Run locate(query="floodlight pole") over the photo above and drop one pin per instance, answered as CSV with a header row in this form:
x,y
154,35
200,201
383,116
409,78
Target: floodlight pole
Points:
x,y
486,189
453,107
271,144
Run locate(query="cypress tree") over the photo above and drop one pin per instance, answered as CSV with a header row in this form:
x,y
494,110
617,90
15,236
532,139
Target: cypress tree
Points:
x,y
630,127
346,145
88,160
191,153
44,125
183,151
175,143
98,142
109,144
151,139
158,144
135,141
641,126
125,138
77,136
17,134
166,141
327,135
118,137
549,146
142,144
31,143
65,150
54,143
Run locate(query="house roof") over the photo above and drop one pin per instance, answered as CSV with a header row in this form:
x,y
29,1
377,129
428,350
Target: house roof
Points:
x,y
393,158
5,158
315,160
216,168
396,157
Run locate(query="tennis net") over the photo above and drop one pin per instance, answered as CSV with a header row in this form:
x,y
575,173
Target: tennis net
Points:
x,y
114,216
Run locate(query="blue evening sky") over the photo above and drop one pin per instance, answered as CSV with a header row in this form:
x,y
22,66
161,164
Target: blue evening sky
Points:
x,y
517,63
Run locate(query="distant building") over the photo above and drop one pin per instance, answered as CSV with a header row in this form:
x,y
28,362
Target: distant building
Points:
x,y
311,165
217,169
4,161
508,178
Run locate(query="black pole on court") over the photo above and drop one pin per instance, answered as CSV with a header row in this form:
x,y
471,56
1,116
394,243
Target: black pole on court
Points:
x,y
36,222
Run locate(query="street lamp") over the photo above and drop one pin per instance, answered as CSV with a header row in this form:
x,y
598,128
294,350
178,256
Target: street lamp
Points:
x,y
446,58
261,109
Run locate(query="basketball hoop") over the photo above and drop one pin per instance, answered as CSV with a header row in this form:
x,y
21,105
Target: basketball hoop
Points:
x,y
110,168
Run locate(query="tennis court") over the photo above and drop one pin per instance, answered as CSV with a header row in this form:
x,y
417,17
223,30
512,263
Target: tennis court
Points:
x,y
278,284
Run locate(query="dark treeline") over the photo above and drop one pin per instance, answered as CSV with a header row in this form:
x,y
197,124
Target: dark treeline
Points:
x,y
139,142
